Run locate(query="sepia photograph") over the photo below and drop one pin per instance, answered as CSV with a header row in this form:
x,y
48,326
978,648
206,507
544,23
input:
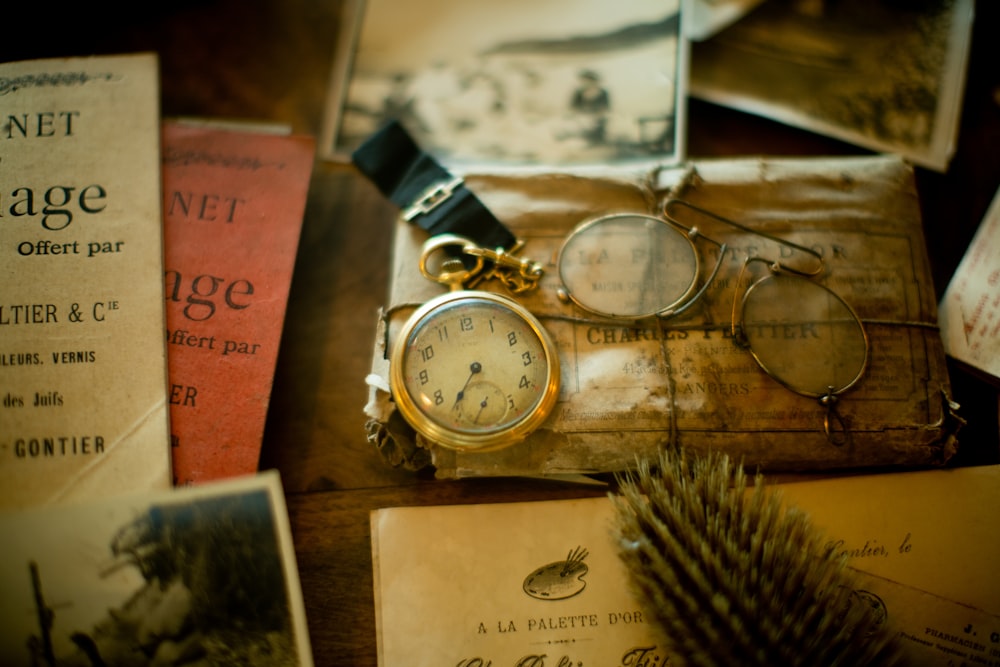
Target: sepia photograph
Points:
x,y
885,75
193,577
523,83
704,18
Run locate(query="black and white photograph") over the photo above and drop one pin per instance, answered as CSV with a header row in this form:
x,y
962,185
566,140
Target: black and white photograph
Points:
x,y
704,18
199,576
522,83
885,75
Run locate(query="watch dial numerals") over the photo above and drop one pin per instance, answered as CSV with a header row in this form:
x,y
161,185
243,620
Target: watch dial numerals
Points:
x,y
426,353
475,368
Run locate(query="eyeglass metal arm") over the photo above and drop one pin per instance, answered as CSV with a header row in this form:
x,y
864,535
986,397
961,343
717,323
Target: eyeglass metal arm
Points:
x,y
691,300
777,265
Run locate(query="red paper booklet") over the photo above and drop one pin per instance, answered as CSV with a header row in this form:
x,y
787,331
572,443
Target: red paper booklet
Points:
x,y
233,206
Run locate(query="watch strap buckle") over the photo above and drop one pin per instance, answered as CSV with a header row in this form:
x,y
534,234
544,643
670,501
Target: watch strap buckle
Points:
x,y
431,198
401,171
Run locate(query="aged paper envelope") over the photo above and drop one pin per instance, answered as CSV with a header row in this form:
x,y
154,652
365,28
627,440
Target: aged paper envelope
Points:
x,y
628,387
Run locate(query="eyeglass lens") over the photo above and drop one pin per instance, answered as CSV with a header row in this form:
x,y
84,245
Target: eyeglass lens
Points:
x,y
628,266
803,335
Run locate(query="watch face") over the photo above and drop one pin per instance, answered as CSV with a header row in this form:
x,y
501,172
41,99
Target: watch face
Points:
x,y
474,370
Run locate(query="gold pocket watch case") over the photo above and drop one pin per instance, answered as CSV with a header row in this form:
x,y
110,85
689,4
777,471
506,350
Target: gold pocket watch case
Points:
x,y
474,370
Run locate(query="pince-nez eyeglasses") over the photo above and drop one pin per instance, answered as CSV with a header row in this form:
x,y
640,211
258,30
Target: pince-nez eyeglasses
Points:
x,y
631,266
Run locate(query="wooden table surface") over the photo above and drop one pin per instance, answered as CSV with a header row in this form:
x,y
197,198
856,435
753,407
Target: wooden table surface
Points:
x,y
270,60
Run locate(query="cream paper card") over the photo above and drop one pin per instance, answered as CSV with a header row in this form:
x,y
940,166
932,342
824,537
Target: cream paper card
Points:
x,y
540,583
970,308
495,584
930,629
83,389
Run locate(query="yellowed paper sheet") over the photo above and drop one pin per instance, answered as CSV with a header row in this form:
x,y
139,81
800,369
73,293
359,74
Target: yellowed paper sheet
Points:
x,y
460,584
83,395
931,630
932,529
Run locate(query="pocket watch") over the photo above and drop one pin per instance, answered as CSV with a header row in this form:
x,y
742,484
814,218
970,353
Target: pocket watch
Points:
x,y
471,369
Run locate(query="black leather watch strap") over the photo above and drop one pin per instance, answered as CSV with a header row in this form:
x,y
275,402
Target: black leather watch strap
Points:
x,y
427,194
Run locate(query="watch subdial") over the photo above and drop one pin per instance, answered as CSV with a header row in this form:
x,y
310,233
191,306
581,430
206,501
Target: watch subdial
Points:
x,y
482,404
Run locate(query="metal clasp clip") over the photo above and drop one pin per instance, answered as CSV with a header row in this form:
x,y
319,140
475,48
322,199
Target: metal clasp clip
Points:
x,y
432,197
516,273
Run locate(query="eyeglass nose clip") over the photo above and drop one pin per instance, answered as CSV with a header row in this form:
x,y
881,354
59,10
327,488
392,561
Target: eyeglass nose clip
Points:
x,y
834,426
